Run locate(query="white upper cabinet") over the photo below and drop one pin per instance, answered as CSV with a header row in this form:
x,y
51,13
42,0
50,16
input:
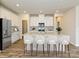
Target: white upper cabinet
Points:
x,y
41,18
49,21
35,20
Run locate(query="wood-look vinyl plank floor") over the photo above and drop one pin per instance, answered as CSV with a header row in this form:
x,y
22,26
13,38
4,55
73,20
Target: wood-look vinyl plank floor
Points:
x,y
16,50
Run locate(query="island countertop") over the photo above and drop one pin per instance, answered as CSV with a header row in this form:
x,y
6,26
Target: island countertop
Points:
x,y
53,33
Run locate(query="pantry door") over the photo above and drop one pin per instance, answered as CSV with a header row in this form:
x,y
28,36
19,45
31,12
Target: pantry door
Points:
x,y
24,26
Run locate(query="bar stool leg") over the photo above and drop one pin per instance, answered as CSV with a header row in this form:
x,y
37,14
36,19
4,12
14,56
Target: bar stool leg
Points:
x,y
25,49
48,49
62,51
36,49
31,49
65,49
43,50
68,50
56,50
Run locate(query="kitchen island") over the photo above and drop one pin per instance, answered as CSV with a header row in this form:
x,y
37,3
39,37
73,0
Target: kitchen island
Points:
x,y
45,45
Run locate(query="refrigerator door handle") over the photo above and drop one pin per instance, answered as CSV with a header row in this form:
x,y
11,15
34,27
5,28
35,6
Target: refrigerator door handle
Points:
x,y
5,32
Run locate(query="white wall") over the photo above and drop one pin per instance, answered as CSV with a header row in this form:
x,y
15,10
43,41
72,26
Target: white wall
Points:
x,y
0,10
69,24
5,13
15,19
77,25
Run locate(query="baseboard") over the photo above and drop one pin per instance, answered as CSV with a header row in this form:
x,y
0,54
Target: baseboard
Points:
x,y
72,43
77,45
16,41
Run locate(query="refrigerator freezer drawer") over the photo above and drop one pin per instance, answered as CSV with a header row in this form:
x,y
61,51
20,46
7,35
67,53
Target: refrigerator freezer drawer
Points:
x,y
6,42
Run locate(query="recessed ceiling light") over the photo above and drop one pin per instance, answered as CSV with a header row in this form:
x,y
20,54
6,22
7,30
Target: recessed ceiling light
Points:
x,y
57,11
17,5
24,11
41,12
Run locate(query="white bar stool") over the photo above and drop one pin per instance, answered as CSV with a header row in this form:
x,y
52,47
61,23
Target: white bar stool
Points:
x,y
64,42
28,40
40,40
51,40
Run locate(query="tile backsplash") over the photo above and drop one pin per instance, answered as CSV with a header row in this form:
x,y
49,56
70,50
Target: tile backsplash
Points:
x,y
46,28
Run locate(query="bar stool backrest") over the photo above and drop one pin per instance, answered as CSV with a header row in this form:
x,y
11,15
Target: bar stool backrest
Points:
x,y
64,39
28,39
40,39
52,39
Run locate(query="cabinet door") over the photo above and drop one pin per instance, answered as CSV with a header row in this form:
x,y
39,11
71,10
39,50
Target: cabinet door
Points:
x,y
15,36
49,21
24,26
9,28
41,18
5,27
33,21
6,42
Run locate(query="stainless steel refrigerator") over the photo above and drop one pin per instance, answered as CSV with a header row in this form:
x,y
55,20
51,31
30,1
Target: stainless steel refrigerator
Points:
x,y
5,33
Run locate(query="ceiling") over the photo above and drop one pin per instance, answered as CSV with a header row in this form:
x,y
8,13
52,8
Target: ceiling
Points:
x,y
34,6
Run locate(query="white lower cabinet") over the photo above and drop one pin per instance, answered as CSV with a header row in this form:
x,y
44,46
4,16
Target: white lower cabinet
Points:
x,y
15,37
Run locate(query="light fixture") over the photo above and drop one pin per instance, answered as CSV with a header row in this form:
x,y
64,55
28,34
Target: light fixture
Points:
x,y
57,11
58,18
17,5
41,12
24,11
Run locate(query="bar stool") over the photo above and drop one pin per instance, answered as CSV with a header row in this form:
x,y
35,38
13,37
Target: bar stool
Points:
x,y
51,40
28,40
40,40
64,42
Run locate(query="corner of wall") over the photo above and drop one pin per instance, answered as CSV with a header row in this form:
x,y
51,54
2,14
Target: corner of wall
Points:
x,y
69,25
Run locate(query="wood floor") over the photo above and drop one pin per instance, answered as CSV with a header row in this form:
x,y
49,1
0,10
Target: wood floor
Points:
x,y
16,50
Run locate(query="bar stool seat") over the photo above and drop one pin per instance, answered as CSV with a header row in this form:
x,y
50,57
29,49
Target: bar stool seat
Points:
x,y
40,40
51,40
28,40
64,42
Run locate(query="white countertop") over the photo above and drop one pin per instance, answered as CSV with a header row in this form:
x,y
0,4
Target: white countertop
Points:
x,y
42,33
